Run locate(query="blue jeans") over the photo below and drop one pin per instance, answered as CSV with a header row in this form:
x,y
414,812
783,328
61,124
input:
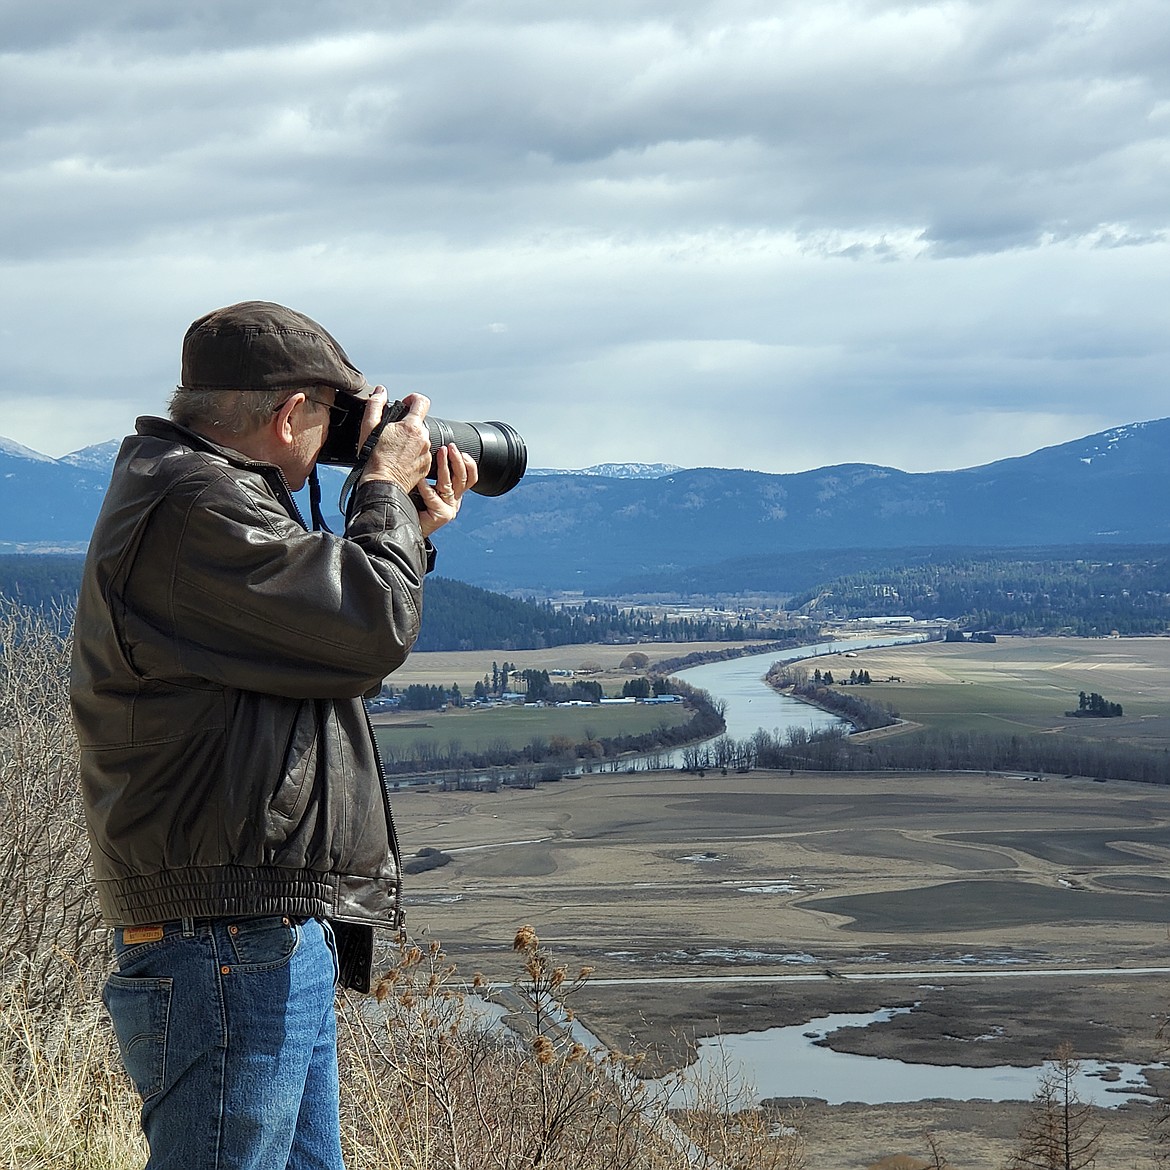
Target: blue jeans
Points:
x,y
227,1029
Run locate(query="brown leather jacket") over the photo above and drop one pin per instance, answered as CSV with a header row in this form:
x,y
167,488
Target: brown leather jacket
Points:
x,y
220,656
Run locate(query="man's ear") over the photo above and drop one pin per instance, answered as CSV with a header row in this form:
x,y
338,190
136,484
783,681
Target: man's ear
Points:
x,y
282,425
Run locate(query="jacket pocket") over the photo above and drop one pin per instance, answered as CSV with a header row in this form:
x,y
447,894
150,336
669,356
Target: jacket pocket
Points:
x,y
299,766
141,1012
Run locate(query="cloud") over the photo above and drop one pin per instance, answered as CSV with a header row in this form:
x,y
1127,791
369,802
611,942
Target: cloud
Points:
x,y
846,223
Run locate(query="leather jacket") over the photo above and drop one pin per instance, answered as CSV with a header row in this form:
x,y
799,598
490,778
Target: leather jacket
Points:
x,y
220,654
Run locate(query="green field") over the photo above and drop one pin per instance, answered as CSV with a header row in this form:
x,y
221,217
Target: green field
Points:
x,y
480,728
1024,685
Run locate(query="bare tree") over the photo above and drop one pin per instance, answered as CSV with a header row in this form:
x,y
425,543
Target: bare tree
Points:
x,y
938,1160
48,916
1060,1132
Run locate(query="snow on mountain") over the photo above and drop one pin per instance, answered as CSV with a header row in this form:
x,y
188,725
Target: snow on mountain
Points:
x,y
100,456
1107,442
19,451
614,470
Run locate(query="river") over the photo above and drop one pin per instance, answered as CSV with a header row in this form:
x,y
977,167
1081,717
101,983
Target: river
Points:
x,y
752,704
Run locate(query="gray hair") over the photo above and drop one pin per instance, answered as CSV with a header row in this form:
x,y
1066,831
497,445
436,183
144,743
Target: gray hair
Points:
x,y
236,413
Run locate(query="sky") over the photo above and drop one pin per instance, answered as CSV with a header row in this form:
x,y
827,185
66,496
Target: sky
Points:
x,y
728,233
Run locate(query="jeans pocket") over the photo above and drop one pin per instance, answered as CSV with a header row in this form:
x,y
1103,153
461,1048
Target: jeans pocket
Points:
x,y
262,943
141,1010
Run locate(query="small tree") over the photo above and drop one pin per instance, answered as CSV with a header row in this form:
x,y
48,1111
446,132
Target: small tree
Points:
x,y
1059,1132
938,1160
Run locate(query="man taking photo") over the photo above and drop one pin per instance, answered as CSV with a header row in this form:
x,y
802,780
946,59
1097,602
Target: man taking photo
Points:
x,y
243,844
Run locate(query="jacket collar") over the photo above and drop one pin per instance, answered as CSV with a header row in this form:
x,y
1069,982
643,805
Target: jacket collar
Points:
x,y
162,428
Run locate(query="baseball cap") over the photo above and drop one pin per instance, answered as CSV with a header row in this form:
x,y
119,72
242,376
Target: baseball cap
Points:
x,y
260,345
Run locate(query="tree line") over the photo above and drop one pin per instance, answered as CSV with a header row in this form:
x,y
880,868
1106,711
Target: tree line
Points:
x,y
830,750
1087,592
1095,706
822,689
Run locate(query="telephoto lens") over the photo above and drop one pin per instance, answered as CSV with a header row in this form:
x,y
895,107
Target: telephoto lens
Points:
x,y
497,449
499,452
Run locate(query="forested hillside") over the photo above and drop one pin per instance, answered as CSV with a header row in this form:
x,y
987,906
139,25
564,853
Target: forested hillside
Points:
x,y
455,616
462,617
41,581
1083,591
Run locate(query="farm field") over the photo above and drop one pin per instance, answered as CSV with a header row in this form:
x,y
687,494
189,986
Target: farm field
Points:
x,y
1023,685
599,662
478,728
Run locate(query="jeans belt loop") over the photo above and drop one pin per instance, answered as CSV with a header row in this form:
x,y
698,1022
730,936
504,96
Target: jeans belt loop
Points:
x,y
188,927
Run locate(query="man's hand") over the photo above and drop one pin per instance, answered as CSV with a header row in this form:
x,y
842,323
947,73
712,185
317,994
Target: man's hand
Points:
x,y
455,473
402,455
403,451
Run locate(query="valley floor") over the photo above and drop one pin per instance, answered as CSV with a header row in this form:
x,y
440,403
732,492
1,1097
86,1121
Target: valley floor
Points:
x,y
657,876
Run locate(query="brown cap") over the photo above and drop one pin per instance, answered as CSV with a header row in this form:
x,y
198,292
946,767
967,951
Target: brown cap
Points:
x,y
258,345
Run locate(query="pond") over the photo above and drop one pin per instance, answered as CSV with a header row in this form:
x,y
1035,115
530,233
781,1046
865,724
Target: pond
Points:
x,y
789,1062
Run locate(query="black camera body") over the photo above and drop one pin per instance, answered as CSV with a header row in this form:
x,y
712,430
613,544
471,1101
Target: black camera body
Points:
x,y
499,452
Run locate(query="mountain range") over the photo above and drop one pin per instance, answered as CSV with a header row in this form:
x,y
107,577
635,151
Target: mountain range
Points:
x,y
627,527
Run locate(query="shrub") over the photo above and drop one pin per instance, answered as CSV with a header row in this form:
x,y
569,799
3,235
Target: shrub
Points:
x,y
49,911
64,1100
435,1084
426,859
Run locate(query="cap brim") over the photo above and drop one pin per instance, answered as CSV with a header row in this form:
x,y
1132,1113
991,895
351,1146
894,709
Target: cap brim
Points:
x,y
362,394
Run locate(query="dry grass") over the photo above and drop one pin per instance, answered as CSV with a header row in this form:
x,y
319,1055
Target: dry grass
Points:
x,y
433,1086
64,1100
65,1103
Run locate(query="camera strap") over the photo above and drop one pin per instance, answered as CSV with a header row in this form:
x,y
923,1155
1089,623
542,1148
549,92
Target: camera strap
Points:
x,y
345,499
315,513
393,412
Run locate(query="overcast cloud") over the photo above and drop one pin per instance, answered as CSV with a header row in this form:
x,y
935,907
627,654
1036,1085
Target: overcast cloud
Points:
x,y
768,235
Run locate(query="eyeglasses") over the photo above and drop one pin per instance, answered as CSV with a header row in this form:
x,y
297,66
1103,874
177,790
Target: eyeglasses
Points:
x,y
337,414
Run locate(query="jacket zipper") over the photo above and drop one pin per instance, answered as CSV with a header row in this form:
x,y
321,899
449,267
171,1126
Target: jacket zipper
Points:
x,y
399,909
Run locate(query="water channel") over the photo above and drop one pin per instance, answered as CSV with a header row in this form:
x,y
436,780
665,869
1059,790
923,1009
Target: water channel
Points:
x,y
750,704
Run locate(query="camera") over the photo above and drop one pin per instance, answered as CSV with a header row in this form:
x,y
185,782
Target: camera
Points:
x,y
499,452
